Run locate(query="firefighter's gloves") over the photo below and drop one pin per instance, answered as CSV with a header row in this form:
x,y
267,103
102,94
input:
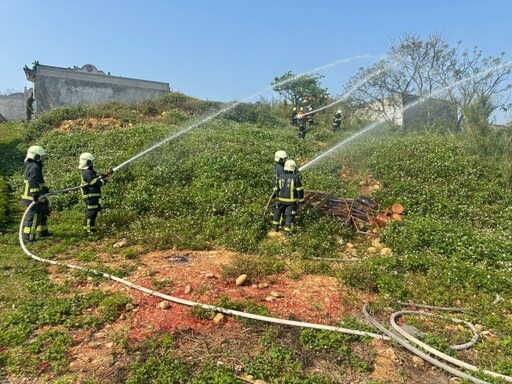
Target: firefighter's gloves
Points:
x,y
38,199
105,175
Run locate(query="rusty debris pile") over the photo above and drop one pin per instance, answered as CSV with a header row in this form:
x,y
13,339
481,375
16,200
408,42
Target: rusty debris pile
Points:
x,y
362,213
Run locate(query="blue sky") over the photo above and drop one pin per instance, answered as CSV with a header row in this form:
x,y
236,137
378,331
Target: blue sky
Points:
x,y
232,49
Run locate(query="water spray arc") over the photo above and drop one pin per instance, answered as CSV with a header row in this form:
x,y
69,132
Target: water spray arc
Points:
x,y
381,120
388,335
353,89
235,103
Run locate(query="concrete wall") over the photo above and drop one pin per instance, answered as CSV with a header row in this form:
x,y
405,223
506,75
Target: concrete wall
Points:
x,y
57,87
14,107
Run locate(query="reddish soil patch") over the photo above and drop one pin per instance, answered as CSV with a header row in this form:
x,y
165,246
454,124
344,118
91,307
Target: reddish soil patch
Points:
x,y
309,298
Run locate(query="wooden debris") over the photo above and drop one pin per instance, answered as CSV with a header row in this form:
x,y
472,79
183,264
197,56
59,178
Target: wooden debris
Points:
x,y
362,213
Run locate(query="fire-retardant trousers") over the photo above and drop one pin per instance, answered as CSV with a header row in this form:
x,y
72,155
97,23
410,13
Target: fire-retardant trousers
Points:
x,y
288,210
35,222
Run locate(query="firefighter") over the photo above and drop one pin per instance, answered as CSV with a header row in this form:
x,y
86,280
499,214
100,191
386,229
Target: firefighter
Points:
x,y
293,116
302,120
91,191
280,158
34,225
290,193
336,121
311,116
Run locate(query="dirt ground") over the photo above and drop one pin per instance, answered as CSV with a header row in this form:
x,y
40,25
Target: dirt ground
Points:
x,y
196,276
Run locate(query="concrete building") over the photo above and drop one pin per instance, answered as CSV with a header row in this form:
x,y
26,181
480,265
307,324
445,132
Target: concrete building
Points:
x,y
428,112
57,87
13,107
414,112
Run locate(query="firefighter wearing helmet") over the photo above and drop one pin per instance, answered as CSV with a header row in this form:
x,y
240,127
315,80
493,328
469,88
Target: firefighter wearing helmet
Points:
x,y
336,121
302,120
280,158
91,191
35,223
290,193
293,116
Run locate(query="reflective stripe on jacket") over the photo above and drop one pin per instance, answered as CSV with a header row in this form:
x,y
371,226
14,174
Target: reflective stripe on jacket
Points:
x,y
289,188
91,186
34,184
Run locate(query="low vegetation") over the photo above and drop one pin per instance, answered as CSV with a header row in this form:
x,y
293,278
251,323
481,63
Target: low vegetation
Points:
x,y
208,188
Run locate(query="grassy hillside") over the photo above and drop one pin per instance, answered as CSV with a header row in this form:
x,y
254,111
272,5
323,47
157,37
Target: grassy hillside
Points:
x,y
208,188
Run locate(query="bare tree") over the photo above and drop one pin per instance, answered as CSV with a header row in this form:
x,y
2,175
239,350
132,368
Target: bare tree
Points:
x,y
431,67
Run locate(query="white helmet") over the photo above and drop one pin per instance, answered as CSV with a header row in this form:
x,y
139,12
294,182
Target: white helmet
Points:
x,y
86,159
280,155
35,153
290,166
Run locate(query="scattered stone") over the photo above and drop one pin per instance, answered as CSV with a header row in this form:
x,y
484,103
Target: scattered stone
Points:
x,y
372,250
417,361
210,276
129,307
454,380
270,298
386,251
121,243
350,245
263,285
479,327
249,377
377,244
487,335
188,289
219,318
254,286
164,305
275,294
241,279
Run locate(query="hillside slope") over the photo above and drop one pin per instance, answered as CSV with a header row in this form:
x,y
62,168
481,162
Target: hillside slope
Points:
x,y
192,213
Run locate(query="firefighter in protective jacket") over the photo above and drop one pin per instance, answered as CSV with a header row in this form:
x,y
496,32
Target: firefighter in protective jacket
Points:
x,y
34,225
336,121
290,193
280,158
91,190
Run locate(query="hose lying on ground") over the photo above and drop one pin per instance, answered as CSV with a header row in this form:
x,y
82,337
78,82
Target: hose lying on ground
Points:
x,y
439,354
387,334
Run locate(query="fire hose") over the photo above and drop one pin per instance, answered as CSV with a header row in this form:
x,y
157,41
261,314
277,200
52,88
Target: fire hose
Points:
x,y
387,335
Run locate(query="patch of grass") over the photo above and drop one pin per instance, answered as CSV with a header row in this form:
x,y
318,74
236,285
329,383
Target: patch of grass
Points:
x,y
255,267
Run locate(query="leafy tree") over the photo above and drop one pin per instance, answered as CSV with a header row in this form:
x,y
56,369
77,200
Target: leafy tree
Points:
x,y
417,67
303,88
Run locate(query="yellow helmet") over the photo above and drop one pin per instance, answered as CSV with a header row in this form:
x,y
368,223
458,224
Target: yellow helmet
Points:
x,y
35,153
280,155
290,166
86,159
